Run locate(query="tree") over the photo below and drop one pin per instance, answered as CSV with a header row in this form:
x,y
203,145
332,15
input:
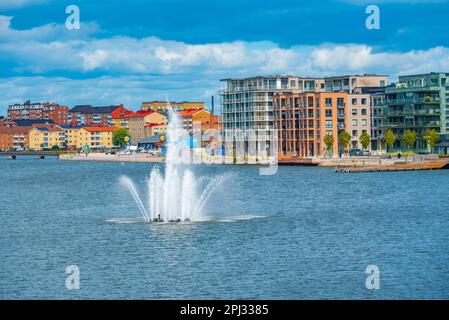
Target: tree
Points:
x,y
409,138
432,137
344,138
118,136
365,140
390,138
55,147
329,142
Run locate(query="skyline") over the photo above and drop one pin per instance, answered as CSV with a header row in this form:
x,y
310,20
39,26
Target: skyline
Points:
x,y
184,57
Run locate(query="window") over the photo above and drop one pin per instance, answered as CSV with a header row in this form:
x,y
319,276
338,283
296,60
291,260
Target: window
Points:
x,y
354,112
328,133
354,122
354,133
292,83
364,112
328,123
328,112
364,122
354,101
328,102
382,83
341,102
364,101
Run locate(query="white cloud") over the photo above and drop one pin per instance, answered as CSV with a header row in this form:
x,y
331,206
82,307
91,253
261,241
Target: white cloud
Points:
x,y
182,70
105,90
12,4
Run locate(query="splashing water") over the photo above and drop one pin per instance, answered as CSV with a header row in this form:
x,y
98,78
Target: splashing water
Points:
x,y
174,198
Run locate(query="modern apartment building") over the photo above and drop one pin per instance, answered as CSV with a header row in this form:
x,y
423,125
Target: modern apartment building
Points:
x,y
38,111
359,118
350,83
94,116
304,119
247,107
377,101
419,103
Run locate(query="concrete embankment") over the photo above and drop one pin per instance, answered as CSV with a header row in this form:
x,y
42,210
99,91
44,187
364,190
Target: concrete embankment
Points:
x,y
102,157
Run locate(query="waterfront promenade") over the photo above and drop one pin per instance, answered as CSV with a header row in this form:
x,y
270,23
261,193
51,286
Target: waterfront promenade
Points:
x,y
103,157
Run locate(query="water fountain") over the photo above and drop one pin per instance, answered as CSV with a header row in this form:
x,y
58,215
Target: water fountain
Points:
x,y
175,197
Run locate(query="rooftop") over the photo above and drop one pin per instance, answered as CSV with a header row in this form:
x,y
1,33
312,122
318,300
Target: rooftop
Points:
x,y
99,129
28,123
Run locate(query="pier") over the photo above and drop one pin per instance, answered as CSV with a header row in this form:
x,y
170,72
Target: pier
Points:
x,y
410,166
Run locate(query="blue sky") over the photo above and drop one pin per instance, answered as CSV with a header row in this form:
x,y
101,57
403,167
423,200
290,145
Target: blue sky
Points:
x,y
136,50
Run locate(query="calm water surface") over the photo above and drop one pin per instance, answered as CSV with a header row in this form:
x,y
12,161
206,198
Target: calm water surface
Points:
x,y
307,233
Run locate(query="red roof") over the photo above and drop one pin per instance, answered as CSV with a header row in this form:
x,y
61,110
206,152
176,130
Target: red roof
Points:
x,y
99,129
139,114
187,113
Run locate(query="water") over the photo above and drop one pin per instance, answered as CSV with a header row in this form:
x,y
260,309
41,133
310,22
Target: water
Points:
x,y
173,198
300,234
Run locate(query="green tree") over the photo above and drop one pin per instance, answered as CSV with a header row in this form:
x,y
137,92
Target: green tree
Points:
x,y
118,136
432,137
409,138
55,147
344,138
365,140
329,142
390,138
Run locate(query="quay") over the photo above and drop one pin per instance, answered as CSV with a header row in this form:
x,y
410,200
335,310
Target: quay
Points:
x,y
398,166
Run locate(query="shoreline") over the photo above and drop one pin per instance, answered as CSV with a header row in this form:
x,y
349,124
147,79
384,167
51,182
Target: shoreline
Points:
x,y
101,157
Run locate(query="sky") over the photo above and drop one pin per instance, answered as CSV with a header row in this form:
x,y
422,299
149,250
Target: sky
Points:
x,y
142,50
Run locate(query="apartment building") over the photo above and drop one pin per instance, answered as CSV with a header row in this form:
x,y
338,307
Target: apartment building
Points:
x,y
97,137
45,137
13,138
138,124
359,117
350,83
38,111
163,106
95,116
304,119
204,119
419,103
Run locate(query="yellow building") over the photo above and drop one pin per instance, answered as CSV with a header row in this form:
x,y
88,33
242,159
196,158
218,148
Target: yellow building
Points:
x,y
121,122
140,124
71,136
153,129
163,105
45,137
95,137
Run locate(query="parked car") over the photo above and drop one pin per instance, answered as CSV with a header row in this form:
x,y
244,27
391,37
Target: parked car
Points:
x,y
355,152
